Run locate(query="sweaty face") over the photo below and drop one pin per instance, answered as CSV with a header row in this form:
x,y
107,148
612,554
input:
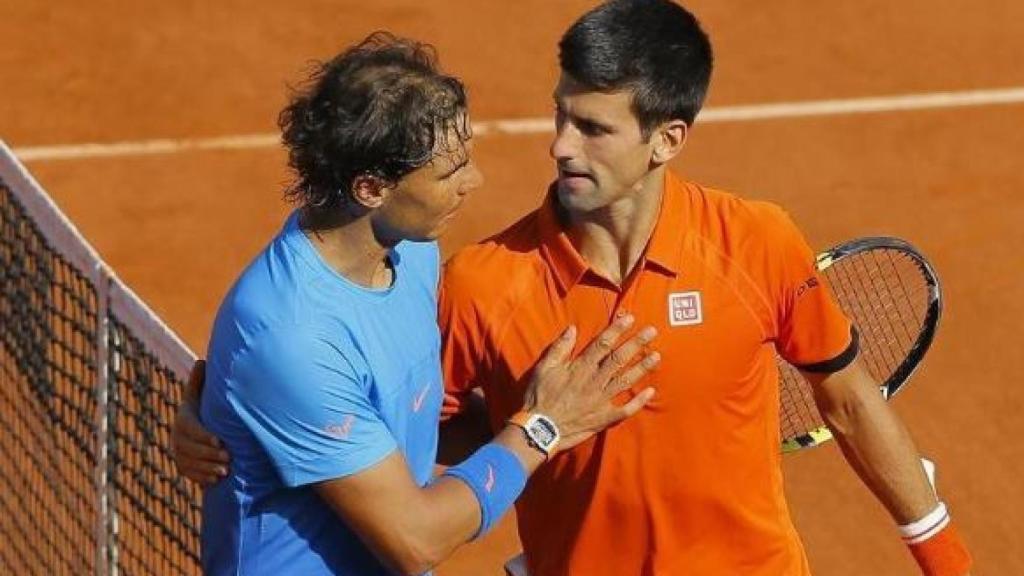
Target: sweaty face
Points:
x,y
599,149
422,204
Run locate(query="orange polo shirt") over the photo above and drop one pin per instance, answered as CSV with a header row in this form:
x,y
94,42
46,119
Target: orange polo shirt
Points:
x,y
692,484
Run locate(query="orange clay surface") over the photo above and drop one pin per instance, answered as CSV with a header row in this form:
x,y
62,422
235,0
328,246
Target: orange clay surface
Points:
x,y
179,227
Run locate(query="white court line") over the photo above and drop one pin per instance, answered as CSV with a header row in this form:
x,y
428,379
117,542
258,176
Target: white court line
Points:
x,y
526,126
145,147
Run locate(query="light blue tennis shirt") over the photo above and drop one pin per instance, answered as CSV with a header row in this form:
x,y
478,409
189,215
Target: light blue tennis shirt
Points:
x,y
311,377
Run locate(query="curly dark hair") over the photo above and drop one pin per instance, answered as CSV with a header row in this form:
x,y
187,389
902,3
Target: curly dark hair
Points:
x,y
381,107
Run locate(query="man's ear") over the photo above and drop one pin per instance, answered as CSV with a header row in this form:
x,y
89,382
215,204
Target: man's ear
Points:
x,y
369,191
669,140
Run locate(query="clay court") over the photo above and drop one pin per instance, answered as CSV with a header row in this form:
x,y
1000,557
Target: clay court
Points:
x,y
189,92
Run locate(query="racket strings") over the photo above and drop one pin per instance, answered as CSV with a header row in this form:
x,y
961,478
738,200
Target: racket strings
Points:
x,y
896,270
869,280
886,299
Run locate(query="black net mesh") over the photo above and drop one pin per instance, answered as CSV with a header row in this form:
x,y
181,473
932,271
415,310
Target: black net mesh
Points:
x,y
48,407
156,511
59,512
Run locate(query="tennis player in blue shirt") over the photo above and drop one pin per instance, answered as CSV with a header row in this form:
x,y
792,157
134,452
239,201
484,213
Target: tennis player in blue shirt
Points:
x,y
323,375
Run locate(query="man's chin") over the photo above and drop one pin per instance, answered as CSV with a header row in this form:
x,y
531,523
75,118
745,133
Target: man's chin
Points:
x,y
576,198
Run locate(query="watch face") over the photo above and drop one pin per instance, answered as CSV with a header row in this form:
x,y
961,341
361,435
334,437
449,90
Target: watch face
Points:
x,y
543,431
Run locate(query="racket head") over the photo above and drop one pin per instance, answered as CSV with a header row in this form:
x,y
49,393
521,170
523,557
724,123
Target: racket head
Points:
x,y
893,296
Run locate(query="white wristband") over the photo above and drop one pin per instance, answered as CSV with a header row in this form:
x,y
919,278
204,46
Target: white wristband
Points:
x,y
923,529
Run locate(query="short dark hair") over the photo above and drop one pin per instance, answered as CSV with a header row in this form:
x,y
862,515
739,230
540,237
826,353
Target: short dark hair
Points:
x,y
378,108
655,48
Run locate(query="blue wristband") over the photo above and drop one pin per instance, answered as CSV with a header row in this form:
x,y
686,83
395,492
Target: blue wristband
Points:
x,y
496,477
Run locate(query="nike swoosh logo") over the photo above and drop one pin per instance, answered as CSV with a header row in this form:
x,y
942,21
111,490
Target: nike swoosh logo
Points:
x,y
341,430
490,479
417,402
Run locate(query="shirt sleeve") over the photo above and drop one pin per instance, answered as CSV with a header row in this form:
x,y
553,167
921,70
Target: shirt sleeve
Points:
x,y
461,342
305,404
814,333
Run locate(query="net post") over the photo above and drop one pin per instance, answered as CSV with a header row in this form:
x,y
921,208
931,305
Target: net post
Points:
x,y
104,567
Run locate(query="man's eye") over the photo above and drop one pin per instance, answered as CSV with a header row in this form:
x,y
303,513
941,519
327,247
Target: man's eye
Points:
x,y
591,129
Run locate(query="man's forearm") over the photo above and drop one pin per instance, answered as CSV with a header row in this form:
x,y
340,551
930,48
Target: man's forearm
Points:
x,y
880,450
424,525
449,492
878,447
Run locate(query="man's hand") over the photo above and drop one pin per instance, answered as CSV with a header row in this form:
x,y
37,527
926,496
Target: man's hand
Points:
x,y
578,394
197,453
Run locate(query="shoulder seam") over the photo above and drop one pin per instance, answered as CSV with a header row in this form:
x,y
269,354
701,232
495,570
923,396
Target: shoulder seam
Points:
x,y
766,331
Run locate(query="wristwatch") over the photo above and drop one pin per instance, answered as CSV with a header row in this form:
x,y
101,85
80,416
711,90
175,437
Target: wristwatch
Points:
x,y
541,431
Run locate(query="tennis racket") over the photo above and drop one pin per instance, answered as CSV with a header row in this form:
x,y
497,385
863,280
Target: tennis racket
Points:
x,y
891,294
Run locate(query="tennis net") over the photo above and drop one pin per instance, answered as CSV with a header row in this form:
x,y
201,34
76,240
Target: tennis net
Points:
x,y
90,380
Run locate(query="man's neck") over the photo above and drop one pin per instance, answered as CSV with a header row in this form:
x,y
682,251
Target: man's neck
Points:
x,y
349,246
613,239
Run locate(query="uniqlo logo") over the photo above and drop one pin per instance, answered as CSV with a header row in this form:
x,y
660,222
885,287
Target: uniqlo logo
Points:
x,y
684,309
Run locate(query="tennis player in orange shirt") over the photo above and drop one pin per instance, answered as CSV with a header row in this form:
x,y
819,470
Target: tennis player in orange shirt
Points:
x,y
692,484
